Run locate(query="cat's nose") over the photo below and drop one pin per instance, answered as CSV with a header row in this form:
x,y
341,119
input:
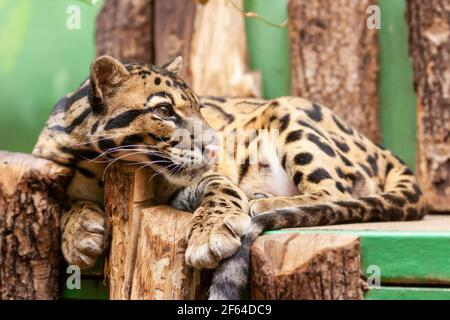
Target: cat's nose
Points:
x,y
210,152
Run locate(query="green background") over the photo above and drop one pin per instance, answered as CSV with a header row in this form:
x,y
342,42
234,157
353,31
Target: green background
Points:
x,y
41,60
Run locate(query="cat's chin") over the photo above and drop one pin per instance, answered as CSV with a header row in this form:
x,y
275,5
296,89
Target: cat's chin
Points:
x,y
188,175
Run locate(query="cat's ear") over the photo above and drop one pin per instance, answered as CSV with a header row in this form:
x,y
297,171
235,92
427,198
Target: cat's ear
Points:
x,y
175,65
107,74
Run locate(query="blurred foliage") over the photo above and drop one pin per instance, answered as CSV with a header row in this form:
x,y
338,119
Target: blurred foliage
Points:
x,y
41,60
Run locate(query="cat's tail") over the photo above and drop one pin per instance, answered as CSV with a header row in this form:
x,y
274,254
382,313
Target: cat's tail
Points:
x,y
402,199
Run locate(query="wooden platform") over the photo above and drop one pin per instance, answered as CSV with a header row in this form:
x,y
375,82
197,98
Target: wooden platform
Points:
x,y
413,258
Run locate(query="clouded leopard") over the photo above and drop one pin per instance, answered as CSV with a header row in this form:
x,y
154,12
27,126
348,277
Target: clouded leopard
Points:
x,y
241,165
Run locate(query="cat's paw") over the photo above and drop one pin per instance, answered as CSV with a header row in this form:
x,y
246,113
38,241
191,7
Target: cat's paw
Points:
x,y
214,237
83,238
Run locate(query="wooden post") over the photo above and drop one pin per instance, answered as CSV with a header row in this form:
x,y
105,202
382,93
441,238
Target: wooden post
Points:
x,y
124,30
32,195
429,30
218,60
334,57
306,267
146,259
174,25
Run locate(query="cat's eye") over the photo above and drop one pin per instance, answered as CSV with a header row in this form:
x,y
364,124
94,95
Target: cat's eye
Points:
x,y
164,110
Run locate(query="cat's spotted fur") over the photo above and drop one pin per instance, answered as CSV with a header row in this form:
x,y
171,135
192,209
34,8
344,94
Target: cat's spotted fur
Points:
x,y
312,169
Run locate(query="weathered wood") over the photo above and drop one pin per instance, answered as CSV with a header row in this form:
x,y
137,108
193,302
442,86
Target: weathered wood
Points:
x,y
306,267
32,195
429,29
124,30
160,272
173,25
218,58
334,57
146,259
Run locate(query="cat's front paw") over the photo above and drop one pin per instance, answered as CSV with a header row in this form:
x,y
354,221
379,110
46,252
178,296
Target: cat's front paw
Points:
x,y
83,238
214,237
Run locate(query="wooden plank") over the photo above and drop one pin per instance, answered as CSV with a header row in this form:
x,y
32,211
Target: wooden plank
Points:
x,y
408,293
218,59
173,28
268,46
306,267
429,30
406,253
397,96
334,58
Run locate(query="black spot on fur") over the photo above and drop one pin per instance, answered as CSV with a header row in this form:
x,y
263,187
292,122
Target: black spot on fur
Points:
x,y
361,146
86,172
340,187
307,125
298,176
341,126
106,144
347,162
389,167
236,204
318,175
372,160
132,139
124,119
284,122
366,169
157,81
341,145
408,172
78,120
340,173
209,194
232,193
315,113
303,159
412,197
294,136
396,200
95,127
322,145
283,162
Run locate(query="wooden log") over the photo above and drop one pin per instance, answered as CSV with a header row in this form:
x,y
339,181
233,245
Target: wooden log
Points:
x,y
173,25
429,30
146,258
32,195
334,59
124,30
218,58
306,267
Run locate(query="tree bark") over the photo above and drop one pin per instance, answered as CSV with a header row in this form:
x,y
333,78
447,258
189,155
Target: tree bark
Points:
x,y
146,259
334,57
124,30
32,195
306,267
429,30
173,25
